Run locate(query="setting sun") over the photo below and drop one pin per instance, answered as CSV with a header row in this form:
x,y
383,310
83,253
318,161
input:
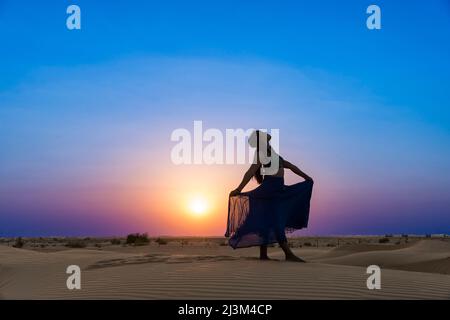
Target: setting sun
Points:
x,y
198,206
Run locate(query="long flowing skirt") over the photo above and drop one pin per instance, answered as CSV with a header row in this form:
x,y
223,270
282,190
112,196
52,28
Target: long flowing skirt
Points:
x,y
262,216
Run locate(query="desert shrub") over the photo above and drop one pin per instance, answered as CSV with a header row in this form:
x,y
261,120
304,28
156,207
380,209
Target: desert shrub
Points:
x,y
19,243
76,244
184,243
137,239
331,245
161,241
307,244
116,241
383,240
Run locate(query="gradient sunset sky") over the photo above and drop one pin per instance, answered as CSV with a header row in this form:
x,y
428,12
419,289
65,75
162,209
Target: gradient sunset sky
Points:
x,y
86,115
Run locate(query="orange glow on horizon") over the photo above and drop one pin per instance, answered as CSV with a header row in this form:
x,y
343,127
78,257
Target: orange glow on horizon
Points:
x,y
166,199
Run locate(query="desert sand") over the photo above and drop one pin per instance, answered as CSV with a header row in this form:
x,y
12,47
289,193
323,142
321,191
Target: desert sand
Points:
x,y
204,268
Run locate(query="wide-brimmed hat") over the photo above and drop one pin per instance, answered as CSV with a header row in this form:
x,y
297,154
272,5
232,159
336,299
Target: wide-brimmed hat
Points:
x,y
264,138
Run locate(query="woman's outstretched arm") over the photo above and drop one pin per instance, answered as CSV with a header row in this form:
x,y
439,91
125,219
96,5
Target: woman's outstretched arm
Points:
x,y
247,177
296,170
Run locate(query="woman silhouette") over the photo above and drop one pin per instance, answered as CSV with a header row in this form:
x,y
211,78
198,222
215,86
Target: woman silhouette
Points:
x,y
261,216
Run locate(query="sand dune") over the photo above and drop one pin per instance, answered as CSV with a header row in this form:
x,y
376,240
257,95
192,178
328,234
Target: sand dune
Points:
x,y
424,256
218,272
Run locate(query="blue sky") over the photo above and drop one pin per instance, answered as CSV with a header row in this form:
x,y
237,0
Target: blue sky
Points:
x,y
326,35
368,109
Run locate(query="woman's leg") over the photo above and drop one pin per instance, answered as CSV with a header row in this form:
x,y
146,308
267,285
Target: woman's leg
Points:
x,y
290,256
263,252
